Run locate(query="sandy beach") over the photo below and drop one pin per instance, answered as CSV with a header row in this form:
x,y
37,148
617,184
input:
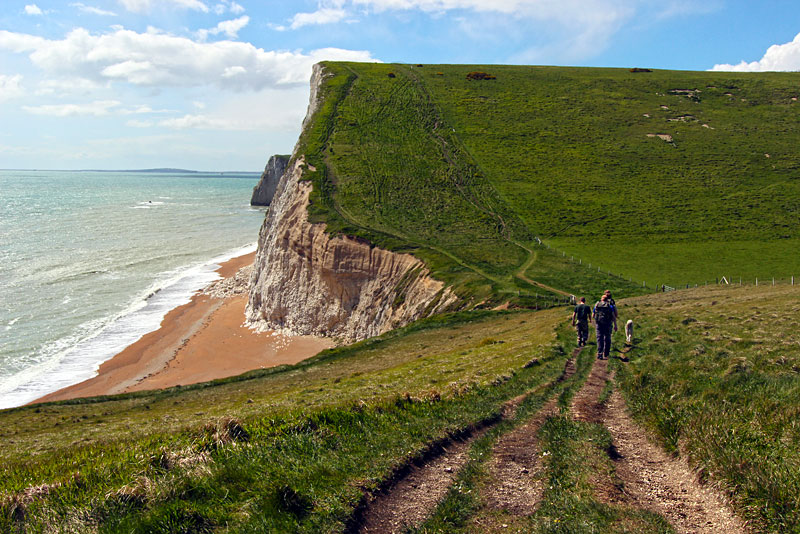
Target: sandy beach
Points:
x,y
199,341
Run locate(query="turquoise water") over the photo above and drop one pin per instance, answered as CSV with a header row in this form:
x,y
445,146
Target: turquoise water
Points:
x,y
91,261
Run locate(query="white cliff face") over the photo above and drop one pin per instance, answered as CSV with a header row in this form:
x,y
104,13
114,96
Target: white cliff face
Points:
x,y
308,282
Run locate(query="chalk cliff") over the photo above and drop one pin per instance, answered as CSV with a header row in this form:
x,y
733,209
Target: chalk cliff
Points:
x,y
265,190
306,281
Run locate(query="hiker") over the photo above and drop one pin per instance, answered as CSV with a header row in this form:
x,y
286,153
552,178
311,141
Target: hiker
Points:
x,y
605,317
607,293
580,319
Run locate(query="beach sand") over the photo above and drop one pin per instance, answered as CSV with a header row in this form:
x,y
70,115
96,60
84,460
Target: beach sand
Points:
x,y
199,341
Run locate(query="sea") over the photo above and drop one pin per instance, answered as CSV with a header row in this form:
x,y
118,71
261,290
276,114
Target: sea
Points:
x,y
92,260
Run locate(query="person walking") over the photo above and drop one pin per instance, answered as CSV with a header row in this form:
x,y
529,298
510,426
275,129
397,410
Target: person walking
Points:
x,y
580,320
613,303
605,318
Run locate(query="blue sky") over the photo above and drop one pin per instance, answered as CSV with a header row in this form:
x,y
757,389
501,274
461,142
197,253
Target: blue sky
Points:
x,y
223,84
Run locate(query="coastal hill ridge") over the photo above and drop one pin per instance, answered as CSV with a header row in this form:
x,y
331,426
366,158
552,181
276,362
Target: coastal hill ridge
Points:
x,y
436,220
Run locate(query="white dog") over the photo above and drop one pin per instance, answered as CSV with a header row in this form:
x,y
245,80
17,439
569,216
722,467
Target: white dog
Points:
x,y
629,331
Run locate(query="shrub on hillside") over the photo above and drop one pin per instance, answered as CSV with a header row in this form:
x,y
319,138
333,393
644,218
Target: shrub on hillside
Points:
x,y
480,75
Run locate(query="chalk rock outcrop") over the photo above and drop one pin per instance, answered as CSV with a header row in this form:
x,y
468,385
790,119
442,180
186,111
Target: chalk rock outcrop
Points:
x,y
265,190
308,282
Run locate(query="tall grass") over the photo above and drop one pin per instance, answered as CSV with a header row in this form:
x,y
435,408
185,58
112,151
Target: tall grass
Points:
x,y
716,376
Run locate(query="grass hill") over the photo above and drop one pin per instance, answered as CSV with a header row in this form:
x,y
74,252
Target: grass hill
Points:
x,y
657,177
470,175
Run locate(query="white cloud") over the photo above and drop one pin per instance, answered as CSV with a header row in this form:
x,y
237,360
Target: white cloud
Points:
x,y
97,108
228,27
10,87
322,16
205,122
93,10
779,57
136,123
280,110
69,86
229,5
157,59
569,30
145,6
236,70
33,9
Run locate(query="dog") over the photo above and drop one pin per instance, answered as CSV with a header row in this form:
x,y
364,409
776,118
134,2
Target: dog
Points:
x,y
629,331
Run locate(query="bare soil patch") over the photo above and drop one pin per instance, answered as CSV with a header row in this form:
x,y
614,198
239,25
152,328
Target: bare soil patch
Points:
x,y
662,484
414,494
585,405
412,499
646,476
515,469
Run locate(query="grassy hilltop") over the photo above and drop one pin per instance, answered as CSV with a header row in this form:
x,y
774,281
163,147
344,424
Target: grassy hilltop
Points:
x,y
657,177
470,175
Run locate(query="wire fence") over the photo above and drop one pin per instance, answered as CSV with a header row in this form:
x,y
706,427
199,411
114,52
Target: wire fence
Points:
x,y
664,287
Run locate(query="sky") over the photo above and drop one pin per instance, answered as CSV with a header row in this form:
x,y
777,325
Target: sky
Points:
x,y
221,85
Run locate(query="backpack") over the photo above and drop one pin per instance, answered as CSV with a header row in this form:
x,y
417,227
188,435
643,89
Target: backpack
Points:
x,y
603,313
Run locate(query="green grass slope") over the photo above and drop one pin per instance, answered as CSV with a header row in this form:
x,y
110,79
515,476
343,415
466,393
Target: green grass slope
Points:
x,y
290,449
468,173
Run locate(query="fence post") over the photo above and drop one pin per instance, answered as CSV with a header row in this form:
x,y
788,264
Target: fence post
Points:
x,y
756,281
773,280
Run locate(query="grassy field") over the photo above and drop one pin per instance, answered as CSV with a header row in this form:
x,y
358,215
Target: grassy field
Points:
x,y
467,174
519,189
284,450
716,375
388,167
571,152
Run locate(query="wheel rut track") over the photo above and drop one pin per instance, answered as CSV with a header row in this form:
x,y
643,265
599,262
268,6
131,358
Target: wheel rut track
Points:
x,y
515,468
646,476
411,494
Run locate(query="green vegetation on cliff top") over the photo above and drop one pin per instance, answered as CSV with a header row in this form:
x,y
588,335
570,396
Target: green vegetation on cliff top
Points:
x,y
658,177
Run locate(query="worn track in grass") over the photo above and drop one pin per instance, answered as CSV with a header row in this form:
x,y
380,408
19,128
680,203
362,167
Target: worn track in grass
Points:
x,y
409,497
514,481
646,477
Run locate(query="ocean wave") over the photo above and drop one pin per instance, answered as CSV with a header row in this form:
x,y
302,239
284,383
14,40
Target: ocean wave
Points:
x,y
76,357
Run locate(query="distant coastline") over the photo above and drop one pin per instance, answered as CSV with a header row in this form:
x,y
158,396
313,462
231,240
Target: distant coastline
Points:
x,y
164,170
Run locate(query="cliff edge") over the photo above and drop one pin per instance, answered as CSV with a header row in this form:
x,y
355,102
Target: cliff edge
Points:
x,y
308,282
264,191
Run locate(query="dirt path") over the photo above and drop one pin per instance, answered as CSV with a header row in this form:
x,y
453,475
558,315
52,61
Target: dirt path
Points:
x,y
514,480
525,266
662,484
413,497
647,477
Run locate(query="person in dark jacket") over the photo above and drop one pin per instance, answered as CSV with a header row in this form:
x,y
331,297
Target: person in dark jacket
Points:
x,y
580,320
605,318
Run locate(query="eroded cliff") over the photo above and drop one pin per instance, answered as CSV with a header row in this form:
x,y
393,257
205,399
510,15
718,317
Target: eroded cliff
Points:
x,y
306,281
264,191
